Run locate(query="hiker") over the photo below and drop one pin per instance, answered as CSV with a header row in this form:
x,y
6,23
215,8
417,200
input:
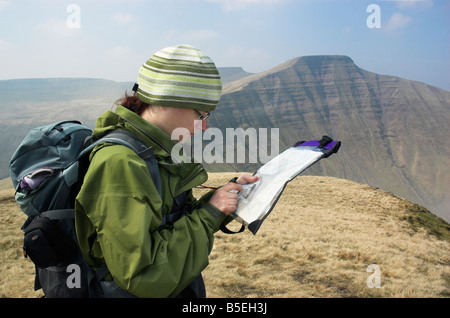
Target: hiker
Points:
x,y
119,210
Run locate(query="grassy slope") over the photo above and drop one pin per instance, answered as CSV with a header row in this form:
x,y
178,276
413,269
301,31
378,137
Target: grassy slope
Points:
x,y
320,239
318,242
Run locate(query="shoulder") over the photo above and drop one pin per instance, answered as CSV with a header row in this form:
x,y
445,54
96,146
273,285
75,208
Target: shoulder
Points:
x,y
117,166
111,155
108,152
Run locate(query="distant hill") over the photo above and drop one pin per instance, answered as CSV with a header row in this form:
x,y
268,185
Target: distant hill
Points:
x,y
394,131
46,99
324,239
28,103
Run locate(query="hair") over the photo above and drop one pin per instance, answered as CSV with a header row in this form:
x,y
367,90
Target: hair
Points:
x,y
133,103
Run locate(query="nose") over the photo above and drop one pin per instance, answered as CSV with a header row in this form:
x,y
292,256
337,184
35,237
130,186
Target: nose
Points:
x,y
204,124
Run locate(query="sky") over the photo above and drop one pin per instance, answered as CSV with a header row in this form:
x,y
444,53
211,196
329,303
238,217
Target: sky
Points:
x,y
111,39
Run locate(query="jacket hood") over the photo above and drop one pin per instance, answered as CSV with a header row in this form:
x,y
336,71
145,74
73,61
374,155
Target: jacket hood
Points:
x,y
150,134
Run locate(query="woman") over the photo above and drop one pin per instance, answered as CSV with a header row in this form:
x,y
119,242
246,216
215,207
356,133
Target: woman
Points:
x,y
119,210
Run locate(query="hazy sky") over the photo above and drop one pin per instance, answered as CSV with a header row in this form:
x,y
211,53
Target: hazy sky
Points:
x,y
111,38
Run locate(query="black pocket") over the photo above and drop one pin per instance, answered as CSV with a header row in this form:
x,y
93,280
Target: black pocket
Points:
x,y
46,243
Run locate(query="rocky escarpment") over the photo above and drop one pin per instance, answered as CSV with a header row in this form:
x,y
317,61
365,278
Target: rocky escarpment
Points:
x,y
393,131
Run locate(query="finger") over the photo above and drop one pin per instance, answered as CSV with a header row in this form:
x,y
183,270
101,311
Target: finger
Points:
x,y
229,208
246,178
226,196
230,201
231,186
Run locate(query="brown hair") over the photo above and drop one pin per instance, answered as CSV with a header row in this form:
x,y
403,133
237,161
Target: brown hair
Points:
x,y
133,103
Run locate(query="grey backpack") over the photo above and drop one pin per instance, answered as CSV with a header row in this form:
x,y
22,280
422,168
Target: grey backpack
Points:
x,y
47,172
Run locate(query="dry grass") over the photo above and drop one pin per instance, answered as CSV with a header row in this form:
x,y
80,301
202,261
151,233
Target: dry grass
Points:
x,y
320,239
318,242
16,272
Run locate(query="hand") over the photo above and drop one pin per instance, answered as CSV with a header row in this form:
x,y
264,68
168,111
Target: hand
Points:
x,y
225,200
246,178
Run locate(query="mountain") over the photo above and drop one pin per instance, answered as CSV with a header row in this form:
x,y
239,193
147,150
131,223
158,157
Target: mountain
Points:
x,y
394,131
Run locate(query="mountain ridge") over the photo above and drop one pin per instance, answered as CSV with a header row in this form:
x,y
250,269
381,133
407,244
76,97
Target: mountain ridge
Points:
x,y
241,83
403,124
392,128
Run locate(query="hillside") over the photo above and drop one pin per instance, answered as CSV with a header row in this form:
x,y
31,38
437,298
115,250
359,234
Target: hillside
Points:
x,y
394,131
318,242
47,99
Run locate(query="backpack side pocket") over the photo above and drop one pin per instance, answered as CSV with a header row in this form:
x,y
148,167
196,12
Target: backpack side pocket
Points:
x,y
46,243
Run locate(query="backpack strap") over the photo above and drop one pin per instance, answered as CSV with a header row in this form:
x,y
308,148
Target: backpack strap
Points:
x,y
130,140
101,272
179,208
59,214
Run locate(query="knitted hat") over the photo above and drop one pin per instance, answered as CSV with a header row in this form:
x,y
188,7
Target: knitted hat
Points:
x,y
180,76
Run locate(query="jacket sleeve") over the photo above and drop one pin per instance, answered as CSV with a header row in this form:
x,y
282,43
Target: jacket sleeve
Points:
x,y
123,206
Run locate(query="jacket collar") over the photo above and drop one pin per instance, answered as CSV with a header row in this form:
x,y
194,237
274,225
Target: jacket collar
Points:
x,y
152,136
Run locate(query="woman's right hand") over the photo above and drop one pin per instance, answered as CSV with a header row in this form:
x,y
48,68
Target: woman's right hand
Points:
x,y
225,200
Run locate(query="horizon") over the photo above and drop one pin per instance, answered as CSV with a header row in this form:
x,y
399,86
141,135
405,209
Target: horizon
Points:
x,y
112,39
219,68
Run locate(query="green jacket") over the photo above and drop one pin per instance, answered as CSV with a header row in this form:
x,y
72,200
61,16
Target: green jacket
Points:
x,y
119,212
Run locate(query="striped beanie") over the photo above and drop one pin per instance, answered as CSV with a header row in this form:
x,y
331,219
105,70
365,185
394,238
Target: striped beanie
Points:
x,y
180,76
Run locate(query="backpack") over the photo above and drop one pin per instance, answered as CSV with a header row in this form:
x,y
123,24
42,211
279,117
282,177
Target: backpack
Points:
x,y
47,171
